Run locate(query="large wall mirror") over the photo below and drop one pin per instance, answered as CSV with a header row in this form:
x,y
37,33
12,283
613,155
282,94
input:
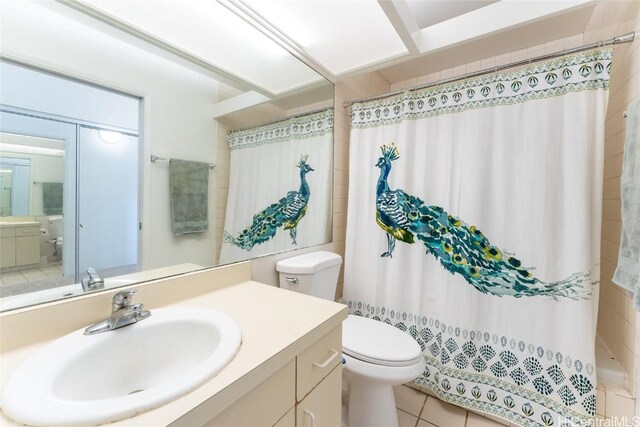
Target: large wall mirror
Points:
x,y
142,139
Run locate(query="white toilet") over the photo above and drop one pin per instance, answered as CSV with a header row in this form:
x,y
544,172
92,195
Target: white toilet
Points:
x,y
377,356
56,227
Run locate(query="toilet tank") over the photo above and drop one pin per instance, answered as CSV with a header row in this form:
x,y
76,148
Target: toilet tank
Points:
x,y
56,226
314,273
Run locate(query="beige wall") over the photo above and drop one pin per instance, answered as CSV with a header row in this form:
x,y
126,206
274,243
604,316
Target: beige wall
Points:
x,y
617,316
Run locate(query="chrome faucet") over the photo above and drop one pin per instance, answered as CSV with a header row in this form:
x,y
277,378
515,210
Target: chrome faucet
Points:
x,y
122,314
93,281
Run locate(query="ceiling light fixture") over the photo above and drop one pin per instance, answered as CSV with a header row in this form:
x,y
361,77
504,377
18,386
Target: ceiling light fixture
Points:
x,y
110,136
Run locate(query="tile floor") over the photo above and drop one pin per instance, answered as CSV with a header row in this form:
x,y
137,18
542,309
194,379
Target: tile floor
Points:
x,y
32,279
50,271
416,409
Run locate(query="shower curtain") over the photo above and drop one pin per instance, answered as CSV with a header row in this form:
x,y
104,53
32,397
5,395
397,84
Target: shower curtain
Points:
x,y
267,211
474,225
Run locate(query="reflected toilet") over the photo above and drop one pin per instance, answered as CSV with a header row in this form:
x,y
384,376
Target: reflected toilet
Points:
x,y
56,231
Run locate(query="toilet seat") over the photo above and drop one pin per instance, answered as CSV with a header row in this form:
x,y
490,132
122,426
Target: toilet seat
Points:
x,y
378,343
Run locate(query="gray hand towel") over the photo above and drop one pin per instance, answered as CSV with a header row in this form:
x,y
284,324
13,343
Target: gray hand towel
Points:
x,y
52,198
189,196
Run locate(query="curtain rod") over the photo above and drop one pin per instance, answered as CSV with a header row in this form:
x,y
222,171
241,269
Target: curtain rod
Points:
x,y
624,38
295,116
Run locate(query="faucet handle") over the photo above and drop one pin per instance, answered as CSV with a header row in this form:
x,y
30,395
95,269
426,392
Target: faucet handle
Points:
x,y
123,299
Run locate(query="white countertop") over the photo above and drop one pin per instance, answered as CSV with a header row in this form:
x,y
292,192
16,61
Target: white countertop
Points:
x,y
276,326
8,224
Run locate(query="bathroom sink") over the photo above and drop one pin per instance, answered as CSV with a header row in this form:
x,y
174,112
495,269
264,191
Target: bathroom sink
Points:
x,y
94,379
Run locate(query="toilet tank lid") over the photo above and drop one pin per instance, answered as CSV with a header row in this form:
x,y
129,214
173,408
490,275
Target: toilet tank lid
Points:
x,y
309,263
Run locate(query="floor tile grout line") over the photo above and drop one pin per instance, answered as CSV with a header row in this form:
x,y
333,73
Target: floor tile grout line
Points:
x,y
424,404
408,413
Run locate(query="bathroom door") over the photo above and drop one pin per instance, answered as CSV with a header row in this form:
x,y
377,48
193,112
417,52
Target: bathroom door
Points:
x,y
107,202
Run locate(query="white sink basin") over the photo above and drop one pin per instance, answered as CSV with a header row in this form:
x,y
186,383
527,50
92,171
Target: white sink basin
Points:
x,y
94,379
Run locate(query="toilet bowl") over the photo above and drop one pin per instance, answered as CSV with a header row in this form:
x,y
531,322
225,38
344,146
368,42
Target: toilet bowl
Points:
x,y
377,358
376,355
59,243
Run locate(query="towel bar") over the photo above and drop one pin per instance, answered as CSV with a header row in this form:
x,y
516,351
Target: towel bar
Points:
x,y
155,158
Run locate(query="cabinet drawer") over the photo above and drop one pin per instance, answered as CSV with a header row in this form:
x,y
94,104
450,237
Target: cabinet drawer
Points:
x,y
322,407
7,231
317,361
27,231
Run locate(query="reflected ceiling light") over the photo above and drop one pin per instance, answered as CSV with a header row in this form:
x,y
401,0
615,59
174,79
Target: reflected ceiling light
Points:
x,y
29,149
110,136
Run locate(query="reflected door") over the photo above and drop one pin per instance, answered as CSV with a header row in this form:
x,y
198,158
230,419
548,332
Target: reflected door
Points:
x,y
26,136
107,202
15,185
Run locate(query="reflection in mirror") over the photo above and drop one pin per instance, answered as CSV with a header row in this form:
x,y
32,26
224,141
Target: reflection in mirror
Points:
x,y
71,194
279,194
31,213
268,130
31,174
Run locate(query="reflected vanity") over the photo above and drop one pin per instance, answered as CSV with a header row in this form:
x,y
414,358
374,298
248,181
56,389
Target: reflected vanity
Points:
x,y
86,104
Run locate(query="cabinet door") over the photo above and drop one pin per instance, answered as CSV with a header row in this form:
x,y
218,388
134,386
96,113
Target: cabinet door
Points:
x,y
7,252
261,407
27,250
322,407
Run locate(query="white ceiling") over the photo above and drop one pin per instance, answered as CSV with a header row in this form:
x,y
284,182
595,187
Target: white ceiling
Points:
x,y
344,37
251,41
211,34
401,38
428,13
340,35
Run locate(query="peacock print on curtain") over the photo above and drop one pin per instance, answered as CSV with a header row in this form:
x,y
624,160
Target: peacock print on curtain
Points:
x,y
474,225
285,213
279,187
461,249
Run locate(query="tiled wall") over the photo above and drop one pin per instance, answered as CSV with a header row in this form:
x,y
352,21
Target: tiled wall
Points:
x,y
357,87
616,317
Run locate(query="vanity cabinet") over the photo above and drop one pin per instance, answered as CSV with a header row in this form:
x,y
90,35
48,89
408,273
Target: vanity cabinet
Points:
x,y
19,246
306,392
